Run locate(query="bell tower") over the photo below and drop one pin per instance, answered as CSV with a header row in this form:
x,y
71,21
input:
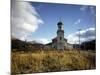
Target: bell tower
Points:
x,y
60,36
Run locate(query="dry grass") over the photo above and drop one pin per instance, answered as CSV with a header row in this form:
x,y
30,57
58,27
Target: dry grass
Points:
x,y
51,60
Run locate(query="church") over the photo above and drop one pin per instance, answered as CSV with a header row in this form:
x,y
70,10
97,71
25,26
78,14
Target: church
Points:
x,y
59,42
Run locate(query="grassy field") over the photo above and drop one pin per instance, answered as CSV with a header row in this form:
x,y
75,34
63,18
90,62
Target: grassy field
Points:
x,y
51,60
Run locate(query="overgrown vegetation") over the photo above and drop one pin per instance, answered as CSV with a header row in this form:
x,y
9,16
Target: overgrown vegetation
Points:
x,y
51,60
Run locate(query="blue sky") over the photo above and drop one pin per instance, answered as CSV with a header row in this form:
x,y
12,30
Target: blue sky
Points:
x,y
74,17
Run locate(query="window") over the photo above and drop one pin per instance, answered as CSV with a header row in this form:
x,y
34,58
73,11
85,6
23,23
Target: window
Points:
x,y
60,38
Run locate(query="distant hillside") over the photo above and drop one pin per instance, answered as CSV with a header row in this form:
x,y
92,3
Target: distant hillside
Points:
x,y
89,45
34,45
17,44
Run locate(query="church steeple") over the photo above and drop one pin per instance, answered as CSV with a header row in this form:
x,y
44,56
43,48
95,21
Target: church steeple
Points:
x,y
60,35
60,27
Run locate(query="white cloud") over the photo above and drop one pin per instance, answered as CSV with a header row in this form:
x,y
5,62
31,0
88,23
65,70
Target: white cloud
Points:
x,y
24,19
42,40
85,35
83,8
78,21
93,11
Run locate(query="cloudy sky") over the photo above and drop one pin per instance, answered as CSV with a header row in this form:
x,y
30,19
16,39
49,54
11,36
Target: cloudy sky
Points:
x,y
38,21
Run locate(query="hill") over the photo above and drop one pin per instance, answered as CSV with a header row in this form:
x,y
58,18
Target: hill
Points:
x,y
18,45
89,45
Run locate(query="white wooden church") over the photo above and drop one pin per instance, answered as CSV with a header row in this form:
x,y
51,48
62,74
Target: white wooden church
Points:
x,y
59,42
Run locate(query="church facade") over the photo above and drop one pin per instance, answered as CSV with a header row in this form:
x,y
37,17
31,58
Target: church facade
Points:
x,y
59,42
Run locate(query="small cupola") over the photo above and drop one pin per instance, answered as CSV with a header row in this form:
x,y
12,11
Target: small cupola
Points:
x,y
60,25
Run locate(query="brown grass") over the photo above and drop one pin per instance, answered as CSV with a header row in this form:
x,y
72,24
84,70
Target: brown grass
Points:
x,y
51,60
